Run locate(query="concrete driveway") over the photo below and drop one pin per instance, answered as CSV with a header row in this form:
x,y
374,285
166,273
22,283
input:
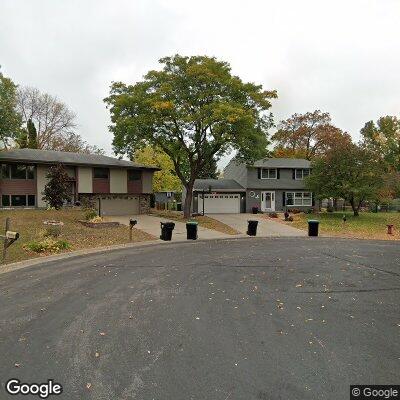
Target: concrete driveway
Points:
x,y
266,226
151,224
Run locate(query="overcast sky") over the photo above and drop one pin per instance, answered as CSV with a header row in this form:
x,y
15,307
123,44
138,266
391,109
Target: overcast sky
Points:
x,y
338,56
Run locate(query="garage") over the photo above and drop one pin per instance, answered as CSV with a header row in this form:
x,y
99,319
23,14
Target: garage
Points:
x,y
227,203
119,206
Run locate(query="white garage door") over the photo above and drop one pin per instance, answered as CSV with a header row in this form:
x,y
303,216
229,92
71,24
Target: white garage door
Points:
x,y
219,203
123,206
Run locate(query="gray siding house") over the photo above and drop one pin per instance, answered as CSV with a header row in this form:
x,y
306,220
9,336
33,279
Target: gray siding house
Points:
x,y
271,184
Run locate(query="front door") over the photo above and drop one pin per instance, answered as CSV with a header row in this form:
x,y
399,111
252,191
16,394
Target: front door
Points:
x,y
267,201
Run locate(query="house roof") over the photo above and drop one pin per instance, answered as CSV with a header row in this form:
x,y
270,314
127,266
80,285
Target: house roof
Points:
x,y
282,163
217,184
37,156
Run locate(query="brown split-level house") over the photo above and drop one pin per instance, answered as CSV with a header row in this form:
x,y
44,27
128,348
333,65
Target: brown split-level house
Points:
x,y
116,187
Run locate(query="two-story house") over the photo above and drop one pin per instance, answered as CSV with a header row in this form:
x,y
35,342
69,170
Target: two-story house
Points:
x,y
116,187
271,184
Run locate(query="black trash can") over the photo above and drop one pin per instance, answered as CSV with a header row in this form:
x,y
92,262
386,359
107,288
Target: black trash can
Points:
x,y
166,230
252,228
313,227
191,230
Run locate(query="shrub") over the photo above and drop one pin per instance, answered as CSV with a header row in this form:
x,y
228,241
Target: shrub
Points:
x,y
273,215
294,211
290,219
90,214
87,203
57,190
53,228
48,245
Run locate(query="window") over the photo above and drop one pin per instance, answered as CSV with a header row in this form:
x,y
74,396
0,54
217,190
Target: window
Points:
x,y
300,174
31,200
30,172
5,171
18,171
100,173
135,175
5,200
268,173
18,200
298,199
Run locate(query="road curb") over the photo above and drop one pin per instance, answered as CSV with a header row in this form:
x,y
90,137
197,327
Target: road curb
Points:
x,y
77,253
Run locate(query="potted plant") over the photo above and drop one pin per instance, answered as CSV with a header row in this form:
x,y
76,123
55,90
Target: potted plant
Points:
x,y
254,210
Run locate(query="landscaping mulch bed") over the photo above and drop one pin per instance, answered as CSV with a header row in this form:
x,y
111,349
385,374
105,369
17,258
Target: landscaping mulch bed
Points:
x,y
99,225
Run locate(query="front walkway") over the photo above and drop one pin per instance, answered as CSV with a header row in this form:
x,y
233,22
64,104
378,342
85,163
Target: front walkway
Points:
x,y
266,226
151,225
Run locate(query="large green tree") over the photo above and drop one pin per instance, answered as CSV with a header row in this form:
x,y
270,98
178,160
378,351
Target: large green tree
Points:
x,y
383,138
349,172
10,119
194,109
164,180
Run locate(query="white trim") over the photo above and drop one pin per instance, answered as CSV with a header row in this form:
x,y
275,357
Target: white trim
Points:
x,y
302,173
273,199
298,198
269,169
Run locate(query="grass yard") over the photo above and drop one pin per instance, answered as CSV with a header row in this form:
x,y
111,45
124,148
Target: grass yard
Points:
x,y
203,220
366,226
29,223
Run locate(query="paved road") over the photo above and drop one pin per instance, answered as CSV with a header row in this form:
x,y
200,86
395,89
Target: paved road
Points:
x,y
151,225
282,318
267,227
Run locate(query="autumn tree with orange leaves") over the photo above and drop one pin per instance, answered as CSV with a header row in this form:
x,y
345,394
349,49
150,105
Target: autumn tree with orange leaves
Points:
x,y
308,136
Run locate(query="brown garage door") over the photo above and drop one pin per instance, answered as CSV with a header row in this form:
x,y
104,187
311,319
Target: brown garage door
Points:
x,y
119,206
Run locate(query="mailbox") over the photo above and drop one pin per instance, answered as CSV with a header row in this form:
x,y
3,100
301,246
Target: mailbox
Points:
x,y
12,235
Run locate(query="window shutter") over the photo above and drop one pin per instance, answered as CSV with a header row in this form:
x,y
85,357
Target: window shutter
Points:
x,y
293,173
312,200
259,173
278,173
284,199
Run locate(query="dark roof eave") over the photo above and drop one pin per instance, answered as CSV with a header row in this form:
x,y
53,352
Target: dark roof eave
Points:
x,y
40,162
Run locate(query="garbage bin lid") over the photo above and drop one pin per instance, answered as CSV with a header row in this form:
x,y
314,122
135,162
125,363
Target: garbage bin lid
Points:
x,y
314,221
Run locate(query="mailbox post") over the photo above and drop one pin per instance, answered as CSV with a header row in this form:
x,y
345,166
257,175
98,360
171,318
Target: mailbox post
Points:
x,y
132,223
9,238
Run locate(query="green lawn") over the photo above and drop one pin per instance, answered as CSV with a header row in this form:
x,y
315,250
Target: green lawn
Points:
x,y
366,226
29,223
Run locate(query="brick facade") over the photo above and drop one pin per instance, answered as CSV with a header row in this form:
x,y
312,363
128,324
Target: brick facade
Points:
x,y
144,204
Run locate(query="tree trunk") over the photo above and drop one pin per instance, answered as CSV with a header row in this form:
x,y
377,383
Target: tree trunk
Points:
x,y
335,204
354,207
187,207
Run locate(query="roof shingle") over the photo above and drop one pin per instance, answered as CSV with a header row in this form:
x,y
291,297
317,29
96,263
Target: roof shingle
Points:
x,y
37,156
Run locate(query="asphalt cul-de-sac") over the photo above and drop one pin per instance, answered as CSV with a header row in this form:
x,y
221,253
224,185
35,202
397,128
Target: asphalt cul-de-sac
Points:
x,y
262,318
